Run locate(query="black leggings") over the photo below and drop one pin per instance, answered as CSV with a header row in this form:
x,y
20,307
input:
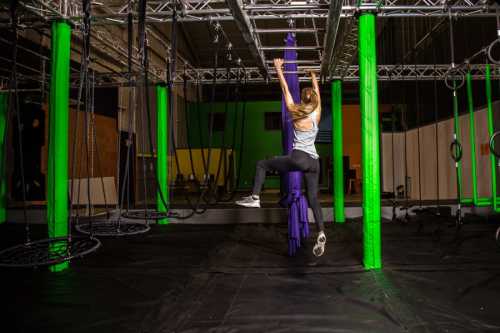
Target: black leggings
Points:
x,y
296,161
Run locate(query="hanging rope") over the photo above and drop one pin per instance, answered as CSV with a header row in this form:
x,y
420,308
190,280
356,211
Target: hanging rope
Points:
x,y
48,251
130,117
222,152
496,41
238,97
146,97
13,108
211,113
417,105
456,146
404,124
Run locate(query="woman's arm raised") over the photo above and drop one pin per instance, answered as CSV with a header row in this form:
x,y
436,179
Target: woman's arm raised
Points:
x,y
316,90
278,64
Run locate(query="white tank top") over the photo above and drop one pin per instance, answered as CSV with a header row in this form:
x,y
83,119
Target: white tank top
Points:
x,y
304,139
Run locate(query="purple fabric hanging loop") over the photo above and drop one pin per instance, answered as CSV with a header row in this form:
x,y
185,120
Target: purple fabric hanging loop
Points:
x,y
298,222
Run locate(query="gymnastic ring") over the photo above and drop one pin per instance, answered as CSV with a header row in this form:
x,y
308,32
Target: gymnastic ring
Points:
x,y
456,150
497,236
454,71
492,144
490,48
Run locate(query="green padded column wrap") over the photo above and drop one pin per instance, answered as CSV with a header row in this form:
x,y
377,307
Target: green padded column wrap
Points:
x,y
162,149
338,163
490,133
370,141
57,172
3,180
472,138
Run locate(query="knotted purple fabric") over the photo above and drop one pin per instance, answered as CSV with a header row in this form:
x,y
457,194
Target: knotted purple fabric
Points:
x,y
296,202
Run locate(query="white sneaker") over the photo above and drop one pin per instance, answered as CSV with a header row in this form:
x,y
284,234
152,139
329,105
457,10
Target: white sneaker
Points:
x,y
319,247
250,201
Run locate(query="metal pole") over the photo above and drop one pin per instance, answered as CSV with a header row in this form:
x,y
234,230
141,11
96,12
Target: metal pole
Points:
x,y
57,173
338,163
370,145
162,149
3,179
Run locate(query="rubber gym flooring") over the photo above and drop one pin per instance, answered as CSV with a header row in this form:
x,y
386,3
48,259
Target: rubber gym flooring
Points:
x,y
238,278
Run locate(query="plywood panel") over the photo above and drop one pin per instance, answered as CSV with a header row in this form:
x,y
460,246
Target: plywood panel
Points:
x,y
102,158
102,191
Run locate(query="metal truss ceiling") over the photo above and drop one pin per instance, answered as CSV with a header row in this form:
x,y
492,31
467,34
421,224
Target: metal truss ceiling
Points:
x,y
333,58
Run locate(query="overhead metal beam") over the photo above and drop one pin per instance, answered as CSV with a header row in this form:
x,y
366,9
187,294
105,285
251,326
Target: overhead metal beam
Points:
x,y
214,10
284,31
251,38
332,23
297,48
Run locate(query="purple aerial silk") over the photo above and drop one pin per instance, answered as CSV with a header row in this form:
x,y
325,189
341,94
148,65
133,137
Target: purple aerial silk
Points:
x,y
297,216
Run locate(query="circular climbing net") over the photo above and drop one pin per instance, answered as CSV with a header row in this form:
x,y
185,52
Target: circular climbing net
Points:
x,y
48,251
112,228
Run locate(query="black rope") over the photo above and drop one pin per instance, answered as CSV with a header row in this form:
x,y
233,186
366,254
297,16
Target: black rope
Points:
x,y
145,62
393,126
242,133
452,42
455,146
171,70
190,149
211,119
15,107
404,124
222,152
88,105
145,130
417,105
187,122
126,173
200,136
436,130
238,97
96,147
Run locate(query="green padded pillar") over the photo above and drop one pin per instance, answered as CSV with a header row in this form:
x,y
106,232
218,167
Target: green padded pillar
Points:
x,y
493,165
57,173
370,141
338,163
472,138
3,180
162,149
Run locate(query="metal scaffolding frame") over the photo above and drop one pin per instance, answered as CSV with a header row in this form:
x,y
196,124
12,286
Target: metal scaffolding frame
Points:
x,y
333,26
253,75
